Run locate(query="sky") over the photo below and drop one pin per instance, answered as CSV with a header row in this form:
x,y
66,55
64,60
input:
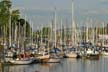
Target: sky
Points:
x,y
41,12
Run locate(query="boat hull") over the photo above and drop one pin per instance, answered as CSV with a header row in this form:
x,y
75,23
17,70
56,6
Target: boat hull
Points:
x,y
93,56
22,62
43,57
105,53
52,60
71,55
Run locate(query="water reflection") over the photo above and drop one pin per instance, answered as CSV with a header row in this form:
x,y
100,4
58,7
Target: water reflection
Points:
x,y
68,65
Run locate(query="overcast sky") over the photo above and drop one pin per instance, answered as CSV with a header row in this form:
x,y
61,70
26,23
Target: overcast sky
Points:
x,y
40,12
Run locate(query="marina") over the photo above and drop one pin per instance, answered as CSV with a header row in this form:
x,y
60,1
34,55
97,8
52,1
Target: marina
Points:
x,y
63,44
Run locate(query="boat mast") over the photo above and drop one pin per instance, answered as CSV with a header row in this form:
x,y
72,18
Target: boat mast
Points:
x,y
41,34
18,34
16,29
87,23
103,32
93,33
32,34
73,25
25,29
61,33
24,33
4,34
10,41
51,26
55,27
64,33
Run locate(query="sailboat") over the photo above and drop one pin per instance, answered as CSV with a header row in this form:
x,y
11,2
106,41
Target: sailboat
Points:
x,y
72,54
22,57
104,53
22,61
91,52
104,42
43,55
54,57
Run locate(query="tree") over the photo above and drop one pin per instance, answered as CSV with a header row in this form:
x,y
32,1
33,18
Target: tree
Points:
x,y
15,15
24,23
8,14
46,32
5,5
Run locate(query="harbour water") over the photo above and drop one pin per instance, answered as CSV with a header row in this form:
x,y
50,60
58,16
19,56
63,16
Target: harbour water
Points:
x,y
67,65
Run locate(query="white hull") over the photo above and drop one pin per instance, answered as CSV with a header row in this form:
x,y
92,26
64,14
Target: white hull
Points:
x,y
71,55
53,60
43,57
9,54
92,52
22,61
105,53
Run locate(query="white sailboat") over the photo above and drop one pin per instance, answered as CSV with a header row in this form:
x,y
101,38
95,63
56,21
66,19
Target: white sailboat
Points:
x,y
104,53
43,56
22,57
22,61
104,38
73,54
54,58
92,54
91,50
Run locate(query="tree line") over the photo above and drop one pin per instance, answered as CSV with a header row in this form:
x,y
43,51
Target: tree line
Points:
x,y
10,15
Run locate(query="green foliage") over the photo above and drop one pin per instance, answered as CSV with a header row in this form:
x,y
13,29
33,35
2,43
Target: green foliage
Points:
x,y
5,5
15,15
46,32
24,25
8,14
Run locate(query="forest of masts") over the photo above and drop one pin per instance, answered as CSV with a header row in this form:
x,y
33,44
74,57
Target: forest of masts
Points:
x,y
14,29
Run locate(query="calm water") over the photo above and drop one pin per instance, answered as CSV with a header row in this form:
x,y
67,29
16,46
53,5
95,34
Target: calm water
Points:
x,y
67,65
